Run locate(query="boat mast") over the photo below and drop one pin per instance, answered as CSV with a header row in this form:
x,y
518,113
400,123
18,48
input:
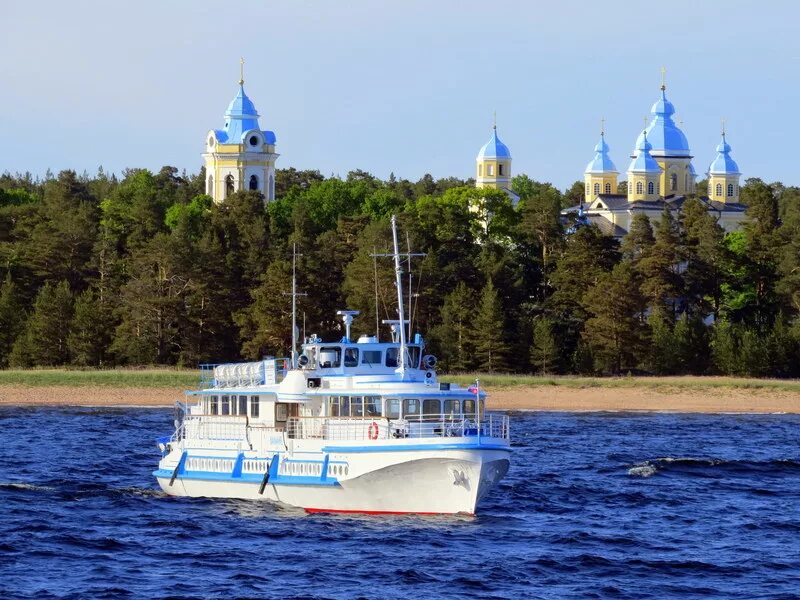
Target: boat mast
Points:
x,y
294,294
398,274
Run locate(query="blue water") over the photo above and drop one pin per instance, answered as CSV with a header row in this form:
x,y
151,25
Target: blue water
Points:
x,y
595,506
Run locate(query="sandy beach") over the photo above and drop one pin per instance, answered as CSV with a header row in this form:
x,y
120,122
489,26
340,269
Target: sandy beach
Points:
x,y
545,398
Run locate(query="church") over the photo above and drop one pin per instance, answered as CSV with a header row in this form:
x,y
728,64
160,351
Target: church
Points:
x,y
240,156
660,174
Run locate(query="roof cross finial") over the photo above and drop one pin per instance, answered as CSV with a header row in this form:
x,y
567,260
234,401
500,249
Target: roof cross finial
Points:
x,y
723,126
494,120
663,78
645,125
241,71
602,126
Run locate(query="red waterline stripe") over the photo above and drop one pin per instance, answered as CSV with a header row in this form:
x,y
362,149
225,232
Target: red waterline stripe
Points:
x,y
380,512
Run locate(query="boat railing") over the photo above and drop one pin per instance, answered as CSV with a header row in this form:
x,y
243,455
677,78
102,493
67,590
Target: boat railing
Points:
x,y
269,371
214,428
412,426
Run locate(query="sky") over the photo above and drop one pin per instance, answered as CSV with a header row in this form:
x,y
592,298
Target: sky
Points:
x,y
407,86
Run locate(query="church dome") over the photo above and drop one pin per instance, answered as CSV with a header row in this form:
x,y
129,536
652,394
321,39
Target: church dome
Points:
x,y
601,163
723,164
662,132
494,148
643,162
240,117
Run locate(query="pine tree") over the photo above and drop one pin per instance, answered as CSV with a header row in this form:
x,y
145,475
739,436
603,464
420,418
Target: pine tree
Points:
x,y
616,332
639,240
705,258
661,282
544,350
12,318
454,335
90,331
725,348
491,349
691,344
265,326
44,340
664,359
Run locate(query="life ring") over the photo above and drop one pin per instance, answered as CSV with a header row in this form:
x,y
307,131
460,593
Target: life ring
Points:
x,y
372,432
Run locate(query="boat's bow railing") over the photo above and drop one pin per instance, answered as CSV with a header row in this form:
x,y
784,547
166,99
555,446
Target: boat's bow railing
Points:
x,y
373,428
231,428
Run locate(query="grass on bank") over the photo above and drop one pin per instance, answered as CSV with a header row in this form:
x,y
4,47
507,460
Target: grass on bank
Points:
x,y
190,379
123,378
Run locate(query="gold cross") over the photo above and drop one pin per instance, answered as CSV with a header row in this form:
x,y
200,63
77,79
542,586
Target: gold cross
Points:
x,y
241,71
602,126
723,126
663,78
494,120
645,123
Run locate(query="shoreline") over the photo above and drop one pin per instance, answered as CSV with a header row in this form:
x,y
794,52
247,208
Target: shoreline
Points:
x,y
545,398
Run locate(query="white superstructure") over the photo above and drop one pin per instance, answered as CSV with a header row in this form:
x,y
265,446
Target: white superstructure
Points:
x,y
354,426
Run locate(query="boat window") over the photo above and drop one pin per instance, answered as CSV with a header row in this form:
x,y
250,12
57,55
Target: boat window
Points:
x,y
371,357
225,405
254,405
413,354
242,405
391,357
356,406
351,357
333,406
392,408
410,407
469,408
452,407
330,357
212,405
281,412
431,407
344,406
372,406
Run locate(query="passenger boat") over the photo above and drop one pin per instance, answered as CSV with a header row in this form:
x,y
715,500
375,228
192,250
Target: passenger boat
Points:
x,y
360,426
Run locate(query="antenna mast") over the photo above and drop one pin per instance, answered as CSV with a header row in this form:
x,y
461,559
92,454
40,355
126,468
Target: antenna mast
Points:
x,y
294,294
377,316
398,275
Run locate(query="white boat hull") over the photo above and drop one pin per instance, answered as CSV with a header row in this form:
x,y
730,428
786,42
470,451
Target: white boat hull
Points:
x,y
426,482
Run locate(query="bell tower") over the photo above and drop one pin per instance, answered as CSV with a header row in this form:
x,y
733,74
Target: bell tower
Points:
x,y
240,156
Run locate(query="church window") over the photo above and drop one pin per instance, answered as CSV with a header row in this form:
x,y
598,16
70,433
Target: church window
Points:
x,y
500,170
210,188
673,182
229,189
490,170
587,189
608,188
730,190
596,188
718,189
650,188
480,170
254,140
253,183
639,187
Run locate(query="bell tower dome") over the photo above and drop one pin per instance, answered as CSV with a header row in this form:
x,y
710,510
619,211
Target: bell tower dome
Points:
x,y
494,164
601,174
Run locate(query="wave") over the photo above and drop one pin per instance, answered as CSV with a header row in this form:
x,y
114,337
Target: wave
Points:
x,y
650,467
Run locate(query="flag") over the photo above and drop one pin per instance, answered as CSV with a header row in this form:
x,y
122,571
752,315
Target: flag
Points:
x,y
473,389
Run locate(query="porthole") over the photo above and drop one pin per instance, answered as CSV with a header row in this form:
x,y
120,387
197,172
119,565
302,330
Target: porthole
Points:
x,y
254,140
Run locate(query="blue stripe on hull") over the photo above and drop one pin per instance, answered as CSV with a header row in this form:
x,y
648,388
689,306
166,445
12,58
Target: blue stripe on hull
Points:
x,y
416,448
248,478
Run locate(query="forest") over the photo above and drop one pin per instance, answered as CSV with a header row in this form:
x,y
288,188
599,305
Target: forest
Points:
x,y
144,269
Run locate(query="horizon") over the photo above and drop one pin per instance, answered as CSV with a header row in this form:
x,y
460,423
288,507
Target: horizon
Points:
x,y
344,91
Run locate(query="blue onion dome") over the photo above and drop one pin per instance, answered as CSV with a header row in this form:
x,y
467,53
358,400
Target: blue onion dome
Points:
x,y
601,163
494,148
642,161
240,118
723,164
664,135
